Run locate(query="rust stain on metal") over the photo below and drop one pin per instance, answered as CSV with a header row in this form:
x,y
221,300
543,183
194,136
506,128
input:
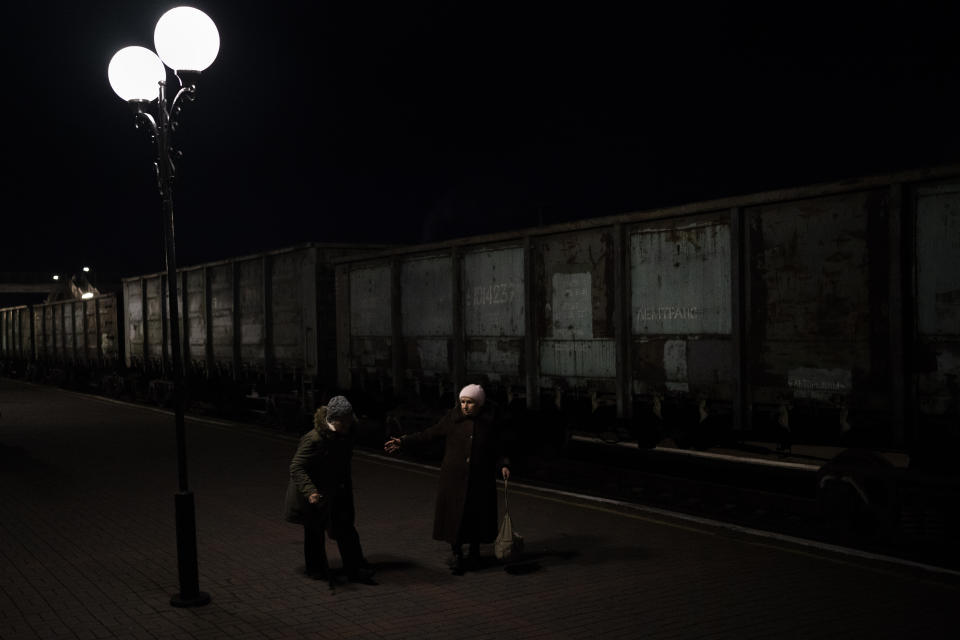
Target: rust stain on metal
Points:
x,y
370,302
426,302
680,280
938,260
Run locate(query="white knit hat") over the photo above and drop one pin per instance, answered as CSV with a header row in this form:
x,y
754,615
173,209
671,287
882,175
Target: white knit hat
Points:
x,y
475,392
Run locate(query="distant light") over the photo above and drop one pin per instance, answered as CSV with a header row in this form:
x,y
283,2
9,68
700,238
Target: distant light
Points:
x,y
86,296
56,277
186,39
86,269
135,74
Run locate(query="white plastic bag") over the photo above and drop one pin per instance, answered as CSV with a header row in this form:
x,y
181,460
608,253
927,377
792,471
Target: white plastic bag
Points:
x,y
509,543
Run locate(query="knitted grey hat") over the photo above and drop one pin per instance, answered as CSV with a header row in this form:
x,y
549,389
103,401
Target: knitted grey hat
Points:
x,y
339,407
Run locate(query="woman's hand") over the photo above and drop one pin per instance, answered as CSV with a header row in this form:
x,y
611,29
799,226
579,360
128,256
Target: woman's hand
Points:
x,y
505,472
392,445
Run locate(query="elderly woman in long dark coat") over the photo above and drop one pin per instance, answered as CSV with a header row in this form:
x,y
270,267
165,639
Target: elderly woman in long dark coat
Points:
x,y
320,493
466,509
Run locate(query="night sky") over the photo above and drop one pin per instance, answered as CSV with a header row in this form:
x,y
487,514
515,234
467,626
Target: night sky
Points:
x,y
416,121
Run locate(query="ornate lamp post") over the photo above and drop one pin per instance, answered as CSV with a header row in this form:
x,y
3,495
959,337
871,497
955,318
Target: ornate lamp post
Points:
x,y
187,41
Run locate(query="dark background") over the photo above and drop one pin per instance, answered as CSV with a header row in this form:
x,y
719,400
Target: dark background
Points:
x,y
416,121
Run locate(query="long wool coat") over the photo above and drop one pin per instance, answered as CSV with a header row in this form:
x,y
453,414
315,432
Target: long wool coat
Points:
x,y
322,464
466,509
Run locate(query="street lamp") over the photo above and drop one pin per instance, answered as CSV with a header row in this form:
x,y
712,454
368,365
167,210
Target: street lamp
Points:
x,y
187,41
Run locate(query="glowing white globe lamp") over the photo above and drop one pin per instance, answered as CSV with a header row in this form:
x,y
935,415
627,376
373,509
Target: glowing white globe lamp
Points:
x,y
134,74
186,39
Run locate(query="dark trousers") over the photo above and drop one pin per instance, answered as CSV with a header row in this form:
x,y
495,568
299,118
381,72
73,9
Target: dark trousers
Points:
x,y
348,543
457,547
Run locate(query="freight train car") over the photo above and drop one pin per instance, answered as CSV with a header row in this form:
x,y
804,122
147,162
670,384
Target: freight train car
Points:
x,y
16,333
264,321
58,340
817,313
77,332
820,314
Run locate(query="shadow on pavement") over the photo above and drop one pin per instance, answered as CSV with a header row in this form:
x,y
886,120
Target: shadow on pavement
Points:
x,y
522,568
388,566
578,549
17,459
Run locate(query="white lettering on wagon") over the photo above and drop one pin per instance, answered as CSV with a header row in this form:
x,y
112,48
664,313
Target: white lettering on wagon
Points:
x,y
819,384
491,294
668,313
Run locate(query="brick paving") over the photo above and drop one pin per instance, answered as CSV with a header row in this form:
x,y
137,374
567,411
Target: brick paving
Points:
x,y
87,550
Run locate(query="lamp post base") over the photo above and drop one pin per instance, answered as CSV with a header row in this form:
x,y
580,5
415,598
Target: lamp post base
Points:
x,y
190,594
197,600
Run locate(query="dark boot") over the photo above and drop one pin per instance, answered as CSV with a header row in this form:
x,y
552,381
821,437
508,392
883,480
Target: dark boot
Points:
x,y
456,560
318,573
361,575
364,564
473,560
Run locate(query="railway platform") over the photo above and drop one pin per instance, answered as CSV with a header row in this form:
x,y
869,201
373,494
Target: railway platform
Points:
x,y
87,550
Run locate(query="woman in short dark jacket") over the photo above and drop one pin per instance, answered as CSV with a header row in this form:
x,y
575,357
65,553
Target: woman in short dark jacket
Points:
x,y
466,509
320,492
